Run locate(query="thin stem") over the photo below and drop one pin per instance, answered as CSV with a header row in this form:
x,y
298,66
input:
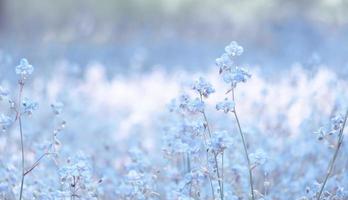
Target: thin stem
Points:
x,y
332,162
36,163
222,171
215,159
21,85
245,150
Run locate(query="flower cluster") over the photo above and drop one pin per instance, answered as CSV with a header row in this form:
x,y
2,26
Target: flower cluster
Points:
x,y
220,141
24,69
231,73
185,104
203,87
76,179
226,106
332,128
29,106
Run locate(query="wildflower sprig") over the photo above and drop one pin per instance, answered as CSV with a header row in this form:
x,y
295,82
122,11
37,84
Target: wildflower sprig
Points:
x,y
337,126
233,75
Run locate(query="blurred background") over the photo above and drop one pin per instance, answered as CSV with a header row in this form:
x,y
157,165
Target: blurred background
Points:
x,y
128,35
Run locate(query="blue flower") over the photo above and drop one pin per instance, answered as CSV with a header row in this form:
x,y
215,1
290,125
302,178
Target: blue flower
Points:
x,y
29,106
203,87
233,49
24,68
226,106
235,76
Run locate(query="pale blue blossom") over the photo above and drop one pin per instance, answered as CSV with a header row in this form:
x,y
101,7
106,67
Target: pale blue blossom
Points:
x,y
234,49
224,63
226,106
235,76
29,106
203,87
220,141
24,68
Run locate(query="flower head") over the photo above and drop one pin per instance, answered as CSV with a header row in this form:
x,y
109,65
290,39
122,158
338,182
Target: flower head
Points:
x,y
24,68
235,76
226,106
220,141
225,63
233,49
203,87
29,106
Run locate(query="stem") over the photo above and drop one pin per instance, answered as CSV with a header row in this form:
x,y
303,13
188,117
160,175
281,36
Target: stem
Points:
x,y
332,162
215,159
21,85
245,150
222,171
36,163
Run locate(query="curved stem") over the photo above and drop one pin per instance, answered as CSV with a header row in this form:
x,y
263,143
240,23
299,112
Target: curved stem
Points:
x,y
245,151
215,155
21,85
332,162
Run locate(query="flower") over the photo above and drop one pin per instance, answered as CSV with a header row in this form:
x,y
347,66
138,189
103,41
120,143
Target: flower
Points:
x,y
5,122
195,106
29,106
226,106
24,68
225,63
203,87
220,141
184,104
235,76
233,49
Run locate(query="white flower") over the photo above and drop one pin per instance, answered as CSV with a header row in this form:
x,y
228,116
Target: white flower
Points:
x,y
24,68
233,49
226,106
203,87
5,122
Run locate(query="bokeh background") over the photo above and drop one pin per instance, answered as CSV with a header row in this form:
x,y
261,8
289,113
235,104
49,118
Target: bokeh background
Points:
x,y
116,65
128,35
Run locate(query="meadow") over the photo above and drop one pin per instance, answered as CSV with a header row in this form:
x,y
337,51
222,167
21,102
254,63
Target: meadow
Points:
x,y
227,132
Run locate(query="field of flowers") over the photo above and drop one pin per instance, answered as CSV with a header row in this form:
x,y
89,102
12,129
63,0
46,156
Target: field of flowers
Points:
x,y
226,133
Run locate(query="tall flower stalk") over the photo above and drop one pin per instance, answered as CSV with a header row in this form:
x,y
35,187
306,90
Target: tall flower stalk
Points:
x,y
332,162
245,147
233,75
19,117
